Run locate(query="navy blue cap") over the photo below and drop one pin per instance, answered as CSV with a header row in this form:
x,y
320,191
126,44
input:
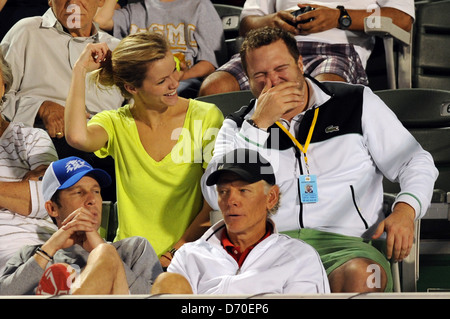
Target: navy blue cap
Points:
x,y
247,164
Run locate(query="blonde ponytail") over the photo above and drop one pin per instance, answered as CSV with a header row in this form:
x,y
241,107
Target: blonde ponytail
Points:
x,y
128,63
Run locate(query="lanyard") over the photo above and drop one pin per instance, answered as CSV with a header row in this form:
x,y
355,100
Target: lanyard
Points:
x,y
303,149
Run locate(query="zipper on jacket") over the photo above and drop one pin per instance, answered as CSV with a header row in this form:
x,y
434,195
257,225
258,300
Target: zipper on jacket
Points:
x,y
356,206
300,213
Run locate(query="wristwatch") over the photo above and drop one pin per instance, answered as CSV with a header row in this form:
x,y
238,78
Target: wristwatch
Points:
x,y
172,252
344,19
252,123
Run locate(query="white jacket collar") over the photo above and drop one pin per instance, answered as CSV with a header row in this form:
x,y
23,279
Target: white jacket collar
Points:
x,y
214,233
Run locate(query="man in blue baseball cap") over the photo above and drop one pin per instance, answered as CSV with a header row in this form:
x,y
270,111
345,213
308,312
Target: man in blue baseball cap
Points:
x,y
67,172
76,259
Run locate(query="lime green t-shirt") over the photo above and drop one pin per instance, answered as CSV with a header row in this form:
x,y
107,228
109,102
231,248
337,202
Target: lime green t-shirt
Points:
x,y
159,200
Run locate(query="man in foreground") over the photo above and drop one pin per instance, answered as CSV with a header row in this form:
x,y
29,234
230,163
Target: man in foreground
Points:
x,y
244,253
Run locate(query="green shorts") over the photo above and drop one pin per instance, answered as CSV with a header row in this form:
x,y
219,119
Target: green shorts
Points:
x,y
335,250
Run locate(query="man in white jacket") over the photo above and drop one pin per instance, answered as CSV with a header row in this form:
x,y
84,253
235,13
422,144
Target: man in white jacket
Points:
x,y
339,141
244,253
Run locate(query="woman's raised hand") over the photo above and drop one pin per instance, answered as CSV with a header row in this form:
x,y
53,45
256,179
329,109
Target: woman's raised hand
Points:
x,y
92,57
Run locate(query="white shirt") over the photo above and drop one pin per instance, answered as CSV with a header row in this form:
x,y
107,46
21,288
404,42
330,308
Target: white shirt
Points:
x,y
42,55
362,42
23,149
279,264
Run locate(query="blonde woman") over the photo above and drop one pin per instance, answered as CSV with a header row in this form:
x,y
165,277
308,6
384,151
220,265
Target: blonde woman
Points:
x,y
161,143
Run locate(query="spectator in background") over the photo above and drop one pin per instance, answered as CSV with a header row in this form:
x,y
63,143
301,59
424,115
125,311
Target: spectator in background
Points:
x,y
244,253
42,52
75,259
25,153
161,142
192,27
331,41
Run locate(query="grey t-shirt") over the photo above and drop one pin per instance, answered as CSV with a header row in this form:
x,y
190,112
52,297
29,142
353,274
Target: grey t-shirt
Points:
x,y
141,264
192,27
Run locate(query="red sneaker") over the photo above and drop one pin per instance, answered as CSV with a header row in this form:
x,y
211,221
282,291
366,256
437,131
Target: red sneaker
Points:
x,y
56,280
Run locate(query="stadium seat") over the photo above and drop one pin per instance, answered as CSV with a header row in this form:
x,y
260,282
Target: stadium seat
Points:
x,y
431,50
106,211
426,114
397,45
230,16
418,59
108,225
228,102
